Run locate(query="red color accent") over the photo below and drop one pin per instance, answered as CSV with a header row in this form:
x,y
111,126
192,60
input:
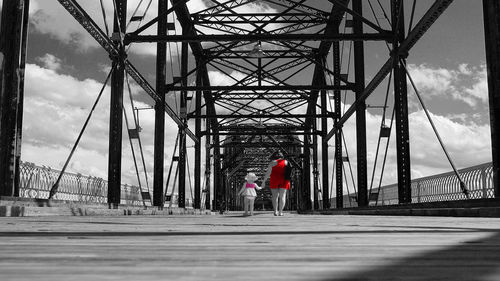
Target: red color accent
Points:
x,y
278,176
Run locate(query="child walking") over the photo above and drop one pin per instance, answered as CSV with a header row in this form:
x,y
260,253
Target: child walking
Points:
x,y
249,193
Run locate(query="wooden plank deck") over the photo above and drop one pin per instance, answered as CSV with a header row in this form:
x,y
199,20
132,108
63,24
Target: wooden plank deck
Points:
x,y
262,247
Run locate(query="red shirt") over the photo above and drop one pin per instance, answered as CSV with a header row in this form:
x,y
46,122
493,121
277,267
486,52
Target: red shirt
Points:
x,y
278,176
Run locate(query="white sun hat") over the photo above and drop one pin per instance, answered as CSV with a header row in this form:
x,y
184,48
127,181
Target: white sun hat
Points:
x,y
251,176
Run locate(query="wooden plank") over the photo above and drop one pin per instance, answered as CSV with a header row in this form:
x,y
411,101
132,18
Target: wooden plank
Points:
x,y
262,247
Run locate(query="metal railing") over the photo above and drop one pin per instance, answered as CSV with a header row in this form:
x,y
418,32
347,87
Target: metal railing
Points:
x,y
36,182
441,187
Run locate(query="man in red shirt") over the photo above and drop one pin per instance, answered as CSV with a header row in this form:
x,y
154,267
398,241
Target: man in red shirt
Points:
x,y
278,184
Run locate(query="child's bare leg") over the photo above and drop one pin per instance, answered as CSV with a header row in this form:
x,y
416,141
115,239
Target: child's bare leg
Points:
x,y
275,193
246,205
251,199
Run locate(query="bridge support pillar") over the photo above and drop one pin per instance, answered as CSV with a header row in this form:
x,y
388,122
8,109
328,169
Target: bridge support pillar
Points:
x,y
305,192
491,9
159,141
338,136
401,103
182,133
359,72
197,146
315,165
13,37
116,111
324,151
218,181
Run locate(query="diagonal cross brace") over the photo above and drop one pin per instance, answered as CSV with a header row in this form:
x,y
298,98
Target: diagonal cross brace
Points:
x,y
417,32
93,29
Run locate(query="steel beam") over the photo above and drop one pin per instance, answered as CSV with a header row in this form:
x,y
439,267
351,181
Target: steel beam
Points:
x,y
270,116
93,29
208,166
305,192
197,146
338,137
170,88
116,110
218,181
132,38
13,34
159,137
432,14
183,115
491,10
401,106
359,76
315,171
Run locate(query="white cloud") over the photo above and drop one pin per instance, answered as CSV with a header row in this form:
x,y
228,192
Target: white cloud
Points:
x,y
479,89
50,62
466,84
52,19
55,110
468,144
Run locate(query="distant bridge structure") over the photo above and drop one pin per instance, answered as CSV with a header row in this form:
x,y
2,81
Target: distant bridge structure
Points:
x,y
290,67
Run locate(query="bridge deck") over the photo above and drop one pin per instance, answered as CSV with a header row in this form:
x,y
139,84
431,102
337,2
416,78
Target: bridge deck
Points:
x,y
262,247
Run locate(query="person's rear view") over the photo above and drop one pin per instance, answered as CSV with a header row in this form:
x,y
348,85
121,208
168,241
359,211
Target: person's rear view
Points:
x,y
278,183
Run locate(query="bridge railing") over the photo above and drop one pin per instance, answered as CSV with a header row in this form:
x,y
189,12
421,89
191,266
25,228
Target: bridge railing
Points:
x,y
441,187
36,182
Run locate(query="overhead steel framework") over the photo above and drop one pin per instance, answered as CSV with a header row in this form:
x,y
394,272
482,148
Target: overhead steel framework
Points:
x,y
280,72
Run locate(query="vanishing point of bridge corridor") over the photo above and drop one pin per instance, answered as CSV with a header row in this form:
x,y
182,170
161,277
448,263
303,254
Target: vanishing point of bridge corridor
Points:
x,y
172,103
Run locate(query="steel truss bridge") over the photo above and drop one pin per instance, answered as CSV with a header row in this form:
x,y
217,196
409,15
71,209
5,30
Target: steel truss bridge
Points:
x,y
287,74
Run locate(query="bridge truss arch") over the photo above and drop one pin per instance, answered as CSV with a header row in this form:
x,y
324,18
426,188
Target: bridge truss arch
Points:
x,y
252,82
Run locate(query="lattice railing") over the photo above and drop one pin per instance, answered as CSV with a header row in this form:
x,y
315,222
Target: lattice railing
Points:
x,y
445,187
442,187
36,182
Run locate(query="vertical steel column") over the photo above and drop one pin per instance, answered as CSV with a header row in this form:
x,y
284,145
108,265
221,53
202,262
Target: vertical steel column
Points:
x,y
359,72
315,164
197,146
13,36
491,10
305,194
338,136
116,110
159,141
183,115
218,181
207,166
401,104
324,150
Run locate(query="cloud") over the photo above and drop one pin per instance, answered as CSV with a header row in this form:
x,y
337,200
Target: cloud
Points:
x,y
466,84
468,144
50,62
55,110
52,19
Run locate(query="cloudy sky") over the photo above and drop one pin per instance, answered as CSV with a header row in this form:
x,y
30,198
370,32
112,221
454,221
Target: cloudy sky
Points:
x,y
66,69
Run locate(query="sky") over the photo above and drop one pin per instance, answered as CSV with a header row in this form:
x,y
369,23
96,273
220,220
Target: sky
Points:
x,y
66,68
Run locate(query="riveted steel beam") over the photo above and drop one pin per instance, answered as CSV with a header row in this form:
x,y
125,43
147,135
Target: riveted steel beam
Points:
x,y
132,38
491,10
432,14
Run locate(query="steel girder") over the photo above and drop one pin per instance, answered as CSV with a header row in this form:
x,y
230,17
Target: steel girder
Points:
x,y
116,110
307,35
432,14
131,38
13,37
159,137
93,29
491,9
